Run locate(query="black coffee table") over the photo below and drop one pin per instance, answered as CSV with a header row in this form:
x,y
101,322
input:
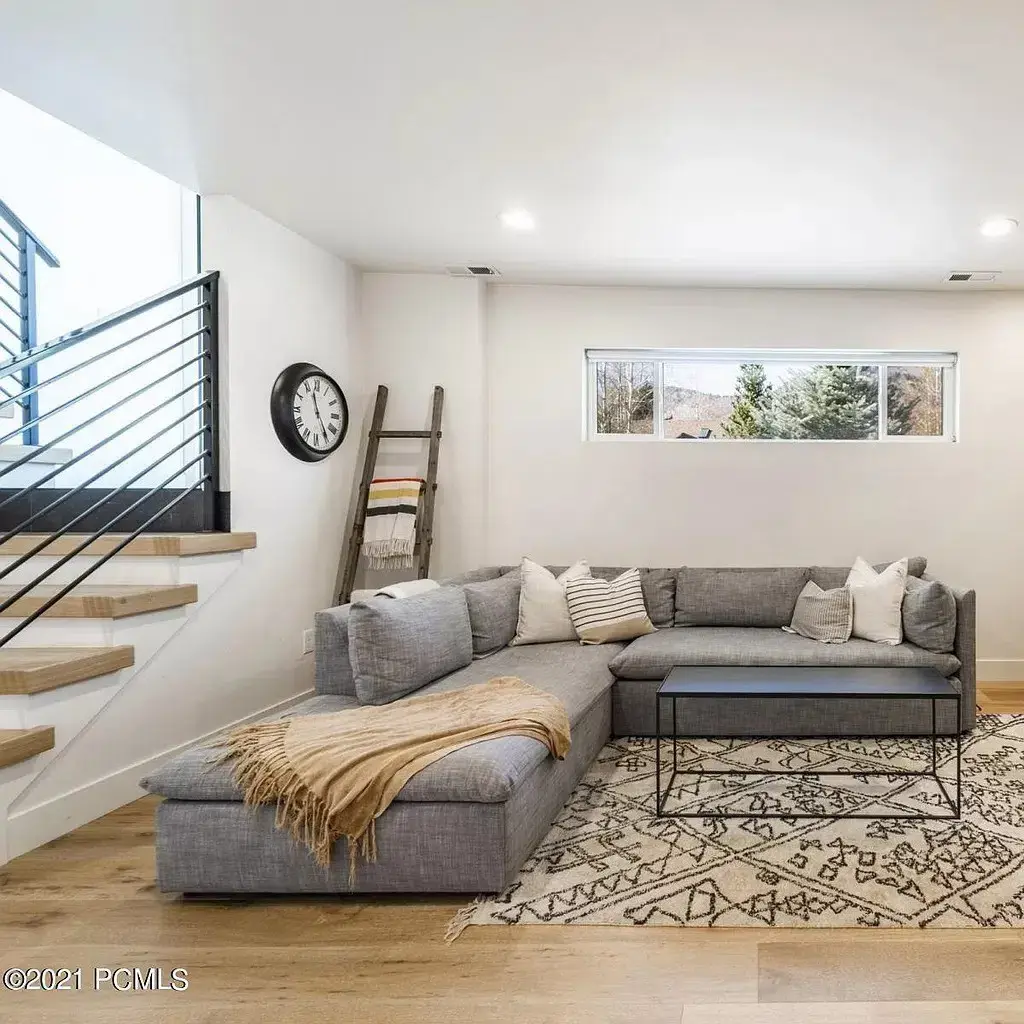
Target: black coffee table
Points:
x,y
724,683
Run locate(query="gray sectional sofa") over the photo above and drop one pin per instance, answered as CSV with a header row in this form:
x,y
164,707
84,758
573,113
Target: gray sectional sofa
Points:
x,y
468,822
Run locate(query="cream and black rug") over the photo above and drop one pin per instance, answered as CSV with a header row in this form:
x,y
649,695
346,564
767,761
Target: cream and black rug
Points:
x,y
608,860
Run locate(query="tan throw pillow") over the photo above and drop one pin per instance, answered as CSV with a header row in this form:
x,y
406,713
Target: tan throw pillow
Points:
x,y
878,601
607,610
824,615
543,612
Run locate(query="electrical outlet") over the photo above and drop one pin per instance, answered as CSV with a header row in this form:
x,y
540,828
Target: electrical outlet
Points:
x,y
307,641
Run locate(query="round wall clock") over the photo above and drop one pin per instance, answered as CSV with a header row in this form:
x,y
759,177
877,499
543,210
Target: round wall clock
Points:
x,y
309,412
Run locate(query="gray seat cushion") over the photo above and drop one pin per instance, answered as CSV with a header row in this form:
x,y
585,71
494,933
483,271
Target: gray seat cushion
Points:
x,y
485,772
652,656
196,774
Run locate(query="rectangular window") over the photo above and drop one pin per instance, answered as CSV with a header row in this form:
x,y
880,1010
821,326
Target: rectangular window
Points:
x,y
771,395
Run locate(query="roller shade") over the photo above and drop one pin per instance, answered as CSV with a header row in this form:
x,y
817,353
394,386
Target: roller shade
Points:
x,y
835,357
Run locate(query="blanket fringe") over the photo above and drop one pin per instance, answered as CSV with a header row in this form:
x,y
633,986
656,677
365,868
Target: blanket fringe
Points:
x,y
461,921
265,775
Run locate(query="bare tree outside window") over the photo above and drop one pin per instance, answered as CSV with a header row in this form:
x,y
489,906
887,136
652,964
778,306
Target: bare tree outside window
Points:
x,y
625,397
914,395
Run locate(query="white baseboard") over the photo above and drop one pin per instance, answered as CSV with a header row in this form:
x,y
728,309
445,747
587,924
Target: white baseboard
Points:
x,y
32,827
1001,670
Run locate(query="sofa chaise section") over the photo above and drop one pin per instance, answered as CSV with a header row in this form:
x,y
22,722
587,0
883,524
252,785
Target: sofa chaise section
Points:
x,y
463,824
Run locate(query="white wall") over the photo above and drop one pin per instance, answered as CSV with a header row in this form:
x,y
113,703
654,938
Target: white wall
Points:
x,y
284,300
550,494
421,330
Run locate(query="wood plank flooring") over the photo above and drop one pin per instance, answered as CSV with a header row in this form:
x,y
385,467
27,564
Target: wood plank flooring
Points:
x,y
89,900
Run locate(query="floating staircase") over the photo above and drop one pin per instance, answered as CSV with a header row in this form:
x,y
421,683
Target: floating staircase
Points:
x,y
61,671
114,525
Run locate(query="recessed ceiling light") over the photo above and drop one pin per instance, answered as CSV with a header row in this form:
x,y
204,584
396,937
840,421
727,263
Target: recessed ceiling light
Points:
x,y
999,227
518,220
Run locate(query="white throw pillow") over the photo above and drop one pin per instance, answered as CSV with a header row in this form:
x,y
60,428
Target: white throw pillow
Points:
x,y
878,601
543,609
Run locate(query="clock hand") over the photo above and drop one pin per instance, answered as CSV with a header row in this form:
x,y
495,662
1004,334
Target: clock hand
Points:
x,y
319,418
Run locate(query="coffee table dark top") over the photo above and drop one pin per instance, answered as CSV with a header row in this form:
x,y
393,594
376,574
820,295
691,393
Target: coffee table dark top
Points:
x,y
771,681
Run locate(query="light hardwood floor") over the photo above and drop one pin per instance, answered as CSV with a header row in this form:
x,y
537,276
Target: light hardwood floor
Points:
x,y
88,900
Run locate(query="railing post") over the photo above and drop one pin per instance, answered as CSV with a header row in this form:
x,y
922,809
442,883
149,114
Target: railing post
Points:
x,y
30,374
214,517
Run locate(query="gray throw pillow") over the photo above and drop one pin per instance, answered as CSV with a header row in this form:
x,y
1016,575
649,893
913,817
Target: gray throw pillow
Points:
x,y
929,615
493,612
825,615
398,646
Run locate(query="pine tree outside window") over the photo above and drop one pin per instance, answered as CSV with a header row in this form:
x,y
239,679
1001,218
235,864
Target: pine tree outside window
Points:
x,y
771,395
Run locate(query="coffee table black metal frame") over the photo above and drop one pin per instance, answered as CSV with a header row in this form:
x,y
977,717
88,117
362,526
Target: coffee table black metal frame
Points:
x,y
722,683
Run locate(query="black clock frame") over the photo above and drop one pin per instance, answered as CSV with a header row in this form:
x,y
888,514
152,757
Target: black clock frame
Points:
x,y
282,401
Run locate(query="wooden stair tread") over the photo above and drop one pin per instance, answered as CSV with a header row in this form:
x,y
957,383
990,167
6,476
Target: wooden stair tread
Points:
x,y
96,601
151,544
18,745
25,670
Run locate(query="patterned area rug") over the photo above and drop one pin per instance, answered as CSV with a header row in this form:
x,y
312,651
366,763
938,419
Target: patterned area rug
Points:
x,y
608,859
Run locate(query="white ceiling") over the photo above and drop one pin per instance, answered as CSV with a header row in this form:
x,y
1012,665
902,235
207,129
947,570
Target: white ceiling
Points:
x,y
765,142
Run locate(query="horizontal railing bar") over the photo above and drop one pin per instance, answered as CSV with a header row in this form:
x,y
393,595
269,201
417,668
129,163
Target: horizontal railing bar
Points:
x,y
95,448
97,387
4,256
13,309
110,352
98,416
15,334
5,348
64,591
13,241
97,504
67,341
10,284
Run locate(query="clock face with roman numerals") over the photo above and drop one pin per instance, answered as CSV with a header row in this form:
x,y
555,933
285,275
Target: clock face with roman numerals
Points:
x,y
309,412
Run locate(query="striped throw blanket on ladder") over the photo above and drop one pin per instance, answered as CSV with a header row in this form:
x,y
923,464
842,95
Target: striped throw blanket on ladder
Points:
x,y
390,532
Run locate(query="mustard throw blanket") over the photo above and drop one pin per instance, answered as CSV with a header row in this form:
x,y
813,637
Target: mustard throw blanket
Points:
x,y
331,775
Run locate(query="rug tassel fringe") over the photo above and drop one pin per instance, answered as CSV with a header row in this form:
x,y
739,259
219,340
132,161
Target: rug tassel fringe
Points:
x,y
461,921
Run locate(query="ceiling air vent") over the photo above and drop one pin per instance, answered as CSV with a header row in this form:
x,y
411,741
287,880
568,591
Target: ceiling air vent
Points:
x,y
974,275
476,271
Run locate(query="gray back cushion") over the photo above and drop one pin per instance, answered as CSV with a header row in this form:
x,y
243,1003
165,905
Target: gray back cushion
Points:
x,y
488,572
658,585
929,615
830,577
738,597
398,646
333,665
493,612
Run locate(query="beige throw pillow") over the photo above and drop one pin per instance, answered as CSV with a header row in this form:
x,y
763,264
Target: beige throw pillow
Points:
x,y
878,601
825,615
543,610
607,610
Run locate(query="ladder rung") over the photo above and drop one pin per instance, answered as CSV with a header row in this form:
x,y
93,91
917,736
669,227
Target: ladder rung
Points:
x,y
405,433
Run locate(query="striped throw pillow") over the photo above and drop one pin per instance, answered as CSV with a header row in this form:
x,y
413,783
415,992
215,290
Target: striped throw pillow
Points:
x,y
825,615
603,611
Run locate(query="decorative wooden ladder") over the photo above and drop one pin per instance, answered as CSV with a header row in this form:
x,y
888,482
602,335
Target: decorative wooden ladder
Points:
x,y
425,515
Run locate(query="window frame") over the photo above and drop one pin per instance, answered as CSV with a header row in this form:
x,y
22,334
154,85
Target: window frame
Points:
x,y
949,362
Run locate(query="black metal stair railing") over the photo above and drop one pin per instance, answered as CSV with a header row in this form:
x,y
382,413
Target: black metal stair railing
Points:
x,y
19,250
104,424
